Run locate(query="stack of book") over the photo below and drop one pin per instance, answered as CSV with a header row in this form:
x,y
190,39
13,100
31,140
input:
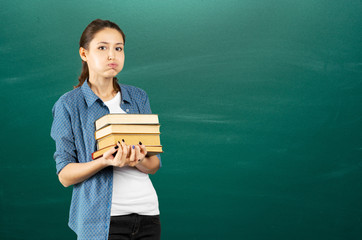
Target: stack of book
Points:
x,y
133,128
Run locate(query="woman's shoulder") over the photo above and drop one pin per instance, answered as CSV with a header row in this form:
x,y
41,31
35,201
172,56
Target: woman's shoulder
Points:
x,y
131,88
70,98
133,92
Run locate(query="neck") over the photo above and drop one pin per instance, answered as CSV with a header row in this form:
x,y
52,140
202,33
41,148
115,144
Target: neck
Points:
x,y
102,87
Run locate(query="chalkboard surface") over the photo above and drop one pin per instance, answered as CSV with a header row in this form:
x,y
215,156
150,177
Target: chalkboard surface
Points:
x,y
260,104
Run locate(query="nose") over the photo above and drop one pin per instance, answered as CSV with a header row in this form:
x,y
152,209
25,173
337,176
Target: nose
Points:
x,y
111,54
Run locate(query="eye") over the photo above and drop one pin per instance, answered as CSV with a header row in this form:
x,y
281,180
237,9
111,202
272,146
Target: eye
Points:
x,y
119,49
102,48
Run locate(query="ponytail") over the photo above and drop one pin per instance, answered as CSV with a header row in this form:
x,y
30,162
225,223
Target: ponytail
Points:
x,y
84,74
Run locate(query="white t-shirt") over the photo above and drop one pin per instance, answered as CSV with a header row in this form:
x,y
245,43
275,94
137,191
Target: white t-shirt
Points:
x,y
133,191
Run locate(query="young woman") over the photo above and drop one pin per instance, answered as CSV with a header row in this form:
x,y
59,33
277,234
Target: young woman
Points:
x,y
113,197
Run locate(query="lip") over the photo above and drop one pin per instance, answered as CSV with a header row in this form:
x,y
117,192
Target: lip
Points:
x,y
112,65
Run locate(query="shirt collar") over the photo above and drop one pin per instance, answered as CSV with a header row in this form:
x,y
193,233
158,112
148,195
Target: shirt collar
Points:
x,y
91,97
124,94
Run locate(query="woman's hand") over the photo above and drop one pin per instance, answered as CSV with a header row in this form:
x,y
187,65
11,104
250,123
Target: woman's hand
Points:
x,y
121,158
138,154
126,155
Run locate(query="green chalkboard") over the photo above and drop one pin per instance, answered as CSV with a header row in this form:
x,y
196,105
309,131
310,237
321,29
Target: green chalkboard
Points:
x,y
260,104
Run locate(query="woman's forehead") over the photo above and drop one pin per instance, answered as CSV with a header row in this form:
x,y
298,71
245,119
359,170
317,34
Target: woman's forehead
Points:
x,y
108,35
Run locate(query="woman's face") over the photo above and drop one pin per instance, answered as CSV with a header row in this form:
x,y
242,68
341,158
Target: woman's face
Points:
x,y
105,54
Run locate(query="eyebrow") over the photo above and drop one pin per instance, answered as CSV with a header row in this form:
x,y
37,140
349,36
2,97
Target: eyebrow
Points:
x,y
108,43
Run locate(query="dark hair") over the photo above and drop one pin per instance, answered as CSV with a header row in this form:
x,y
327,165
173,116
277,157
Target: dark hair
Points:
x,y
87,36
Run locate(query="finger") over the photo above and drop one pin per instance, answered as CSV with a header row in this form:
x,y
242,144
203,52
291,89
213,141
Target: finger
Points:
x,y
111,152
124,151
128,151
119,152
143,149
133,154
138,153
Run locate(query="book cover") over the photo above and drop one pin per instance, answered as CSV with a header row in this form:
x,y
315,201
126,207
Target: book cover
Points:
x,y
126,119
130,139
125,128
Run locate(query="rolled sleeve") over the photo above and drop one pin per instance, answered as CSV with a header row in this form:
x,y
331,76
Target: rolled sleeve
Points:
x,y
63,136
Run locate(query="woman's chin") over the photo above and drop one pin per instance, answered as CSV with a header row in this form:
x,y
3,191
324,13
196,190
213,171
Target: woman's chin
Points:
x,y
110,75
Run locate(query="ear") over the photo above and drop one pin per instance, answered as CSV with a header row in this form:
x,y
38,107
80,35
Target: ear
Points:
x,y
82,54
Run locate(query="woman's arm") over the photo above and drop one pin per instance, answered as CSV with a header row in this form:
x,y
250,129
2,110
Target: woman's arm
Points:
x,y
74,173
149,165
138,159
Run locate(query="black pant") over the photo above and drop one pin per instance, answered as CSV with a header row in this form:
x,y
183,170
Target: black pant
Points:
x,y
134,226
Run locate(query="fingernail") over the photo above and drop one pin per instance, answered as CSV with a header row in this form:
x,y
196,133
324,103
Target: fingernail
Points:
x,y
122,140
133,146
140,143
116,147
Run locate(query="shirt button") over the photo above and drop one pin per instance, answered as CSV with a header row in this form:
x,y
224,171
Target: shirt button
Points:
x,y
127,110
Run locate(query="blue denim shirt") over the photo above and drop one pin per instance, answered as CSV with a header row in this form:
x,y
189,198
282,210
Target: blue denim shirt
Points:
x,y
73,132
